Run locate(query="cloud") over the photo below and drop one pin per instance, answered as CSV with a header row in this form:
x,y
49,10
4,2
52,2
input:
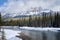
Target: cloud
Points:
x,y
17,6
56,8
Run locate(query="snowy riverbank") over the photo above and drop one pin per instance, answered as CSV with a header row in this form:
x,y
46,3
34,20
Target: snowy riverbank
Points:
x,y
40,29
11,34
33,32
31,28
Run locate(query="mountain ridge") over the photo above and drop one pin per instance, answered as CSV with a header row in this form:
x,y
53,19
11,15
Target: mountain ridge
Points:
x,y
32,11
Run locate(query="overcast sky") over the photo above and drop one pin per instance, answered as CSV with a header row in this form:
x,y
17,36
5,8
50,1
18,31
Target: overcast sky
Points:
x,y
16,6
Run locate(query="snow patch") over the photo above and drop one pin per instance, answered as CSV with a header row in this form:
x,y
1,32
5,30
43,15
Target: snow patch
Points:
x,y
11,34
41,29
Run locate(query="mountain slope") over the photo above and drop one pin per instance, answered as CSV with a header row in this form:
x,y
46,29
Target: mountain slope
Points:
x,y
32,11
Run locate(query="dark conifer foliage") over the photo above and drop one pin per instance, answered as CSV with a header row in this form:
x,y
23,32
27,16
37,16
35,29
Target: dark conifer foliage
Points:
x,y
56,22
46,20
0,19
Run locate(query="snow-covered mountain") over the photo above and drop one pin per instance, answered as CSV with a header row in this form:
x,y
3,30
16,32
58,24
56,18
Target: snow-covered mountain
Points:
x,y
31,11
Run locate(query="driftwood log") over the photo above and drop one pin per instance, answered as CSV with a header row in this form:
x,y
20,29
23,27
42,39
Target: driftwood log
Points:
x,y
23,36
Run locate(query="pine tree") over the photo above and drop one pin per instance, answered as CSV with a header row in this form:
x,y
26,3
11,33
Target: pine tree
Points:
x,y
56,20
39,21
0,20
36,21
30,20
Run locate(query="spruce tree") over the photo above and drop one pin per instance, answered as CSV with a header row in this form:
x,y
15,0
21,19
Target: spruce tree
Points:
x,y
0,20
30,20
56,20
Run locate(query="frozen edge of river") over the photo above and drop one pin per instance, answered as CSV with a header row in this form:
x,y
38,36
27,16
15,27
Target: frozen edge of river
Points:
x,y
11,34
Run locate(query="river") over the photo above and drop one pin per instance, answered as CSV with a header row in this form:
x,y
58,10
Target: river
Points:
x,y
36,33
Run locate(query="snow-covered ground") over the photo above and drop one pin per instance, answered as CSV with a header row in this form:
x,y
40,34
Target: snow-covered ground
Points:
x,y
11,34
41,29
31,28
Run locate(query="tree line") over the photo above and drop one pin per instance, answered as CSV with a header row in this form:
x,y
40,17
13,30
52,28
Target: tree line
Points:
x,y
35,21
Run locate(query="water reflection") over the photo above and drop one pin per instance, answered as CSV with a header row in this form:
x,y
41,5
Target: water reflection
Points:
x,y
42,35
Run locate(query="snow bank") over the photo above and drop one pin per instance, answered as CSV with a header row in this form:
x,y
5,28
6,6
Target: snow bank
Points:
x,y
40,28
14,38
11,34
